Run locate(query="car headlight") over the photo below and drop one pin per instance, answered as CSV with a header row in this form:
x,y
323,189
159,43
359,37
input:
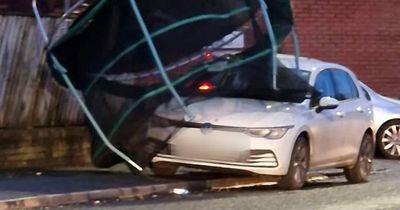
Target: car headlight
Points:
x,y
269,133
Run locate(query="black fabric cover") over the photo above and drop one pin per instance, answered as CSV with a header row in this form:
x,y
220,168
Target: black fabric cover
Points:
x,y
109,27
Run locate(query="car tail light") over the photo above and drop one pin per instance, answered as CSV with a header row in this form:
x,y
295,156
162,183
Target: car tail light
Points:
x,y
208,56
206,87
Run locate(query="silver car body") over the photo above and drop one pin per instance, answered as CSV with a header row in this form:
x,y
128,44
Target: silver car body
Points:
x,y
385,108
387,123
334,135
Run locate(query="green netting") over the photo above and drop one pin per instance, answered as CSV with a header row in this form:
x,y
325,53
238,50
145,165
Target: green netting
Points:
x,y
104,52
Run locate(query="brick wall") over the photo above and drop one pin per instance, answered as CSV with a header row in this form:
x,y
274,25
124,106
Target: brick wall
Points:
x,y
362,35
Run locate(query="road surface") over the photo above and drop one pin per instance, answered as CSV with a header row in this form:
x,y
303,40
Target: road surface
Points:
x,y
332,193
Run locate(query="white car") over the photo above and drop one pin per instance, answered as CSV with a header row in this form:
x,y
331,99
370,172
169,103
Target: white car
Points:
x,y
330,129
387,123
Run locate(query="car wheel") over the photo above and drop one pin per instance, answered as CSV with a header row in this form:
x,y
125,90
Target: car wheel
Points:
x,y
298,168
388,140
361,169
164,169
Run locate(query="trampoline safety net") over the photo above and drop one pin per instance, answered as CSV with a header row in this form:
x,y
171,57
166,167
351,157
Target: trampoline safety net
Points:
x,y
106,55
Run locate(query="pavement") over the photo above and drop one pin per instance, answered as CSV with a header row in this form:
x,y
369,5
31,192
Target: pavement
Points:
x,y
20,184
42,188
37,188
25,189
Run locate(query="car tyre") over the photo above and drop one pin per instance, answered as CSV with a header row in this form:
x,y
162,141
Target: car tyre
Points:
x,y
298,168
164,169
388,140
359,172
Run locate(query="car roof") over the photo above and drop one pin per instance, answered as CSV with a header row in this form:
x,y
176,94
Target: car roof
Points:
x,y
308,64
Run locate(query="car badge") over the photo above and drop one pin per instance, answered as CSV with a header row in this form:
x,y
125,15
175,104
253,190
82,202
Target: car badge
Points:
x,y
206,128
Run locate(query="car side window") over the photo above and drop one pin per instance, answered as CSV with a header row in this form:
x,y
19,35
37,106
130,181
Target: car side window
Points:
x,y
344,85
366,94
324,85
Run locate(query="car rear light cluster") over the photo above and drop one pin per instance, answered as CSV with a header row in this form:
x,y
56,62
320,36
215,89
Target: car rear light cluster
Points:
x,y
208,56
205,87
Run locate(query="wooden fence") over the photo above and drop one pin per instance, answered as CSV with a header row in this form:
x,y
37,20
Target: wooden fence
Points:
x,y
29,97
38,118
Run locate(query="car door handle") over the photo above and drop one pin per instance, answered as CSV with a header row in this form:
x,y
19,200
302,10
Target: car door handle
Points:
x,y
360,109
340,114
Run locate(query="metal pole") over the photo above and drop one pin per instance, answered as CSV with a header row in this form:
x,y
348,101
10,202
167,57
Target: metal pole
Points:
x,y
67,10
39,22
90,117
71,9
264,9
296,47
157,58
82,104
67,5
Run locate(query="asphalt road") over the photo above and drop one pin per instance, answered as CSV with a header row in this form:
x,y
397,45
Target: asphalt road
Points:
x,y
382,192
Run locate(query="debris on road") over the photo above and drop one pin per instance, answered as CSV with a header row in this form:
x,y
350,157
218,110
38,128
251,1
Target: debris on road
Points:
x,y
180,191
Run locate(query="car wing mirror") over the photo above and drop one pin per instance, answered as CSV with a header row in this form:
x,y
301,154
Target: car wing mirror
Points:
x,y
327,103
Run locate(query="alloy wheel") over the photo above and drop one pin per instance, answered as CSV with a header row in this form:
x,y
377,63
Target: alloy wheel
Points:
x,y
366,157
298,167
391,140
300,163
359,172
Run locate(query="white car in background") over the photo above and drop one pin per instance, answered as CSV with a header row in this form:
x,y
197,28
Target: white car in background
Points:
x,y
387,122
331,129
